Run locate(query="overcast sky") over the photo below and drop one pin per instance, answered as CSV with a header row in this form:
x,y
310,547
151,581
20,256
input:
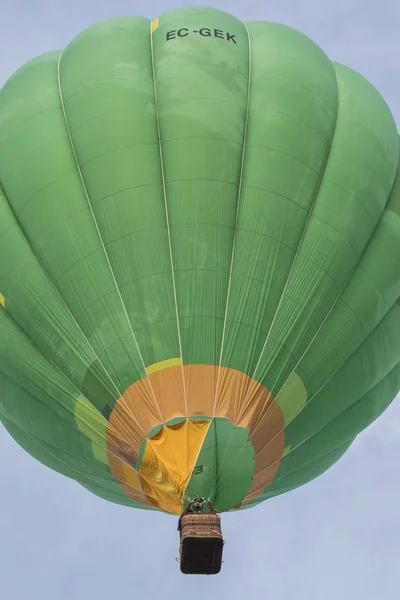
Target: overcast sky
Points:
x,y
337,538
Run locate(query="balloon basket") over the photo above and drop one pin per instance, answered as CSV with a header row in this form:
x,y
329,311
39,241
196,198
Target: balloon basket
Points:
x,y
201,544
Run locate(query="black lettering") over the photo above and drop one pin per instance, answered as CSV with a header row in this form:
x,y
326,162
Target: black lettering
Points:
x,y
204,31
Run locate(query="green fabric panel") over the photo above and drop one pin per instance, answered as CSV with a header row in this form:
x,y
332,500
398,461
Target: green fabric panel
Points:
x,y
202,86
103,486
110,110
394,201
302,476
46,194
291,116
94,425
41,427
38,399
371,292
372,361
114,495
35,305
342,221
324,447
21,361
47,432
225,466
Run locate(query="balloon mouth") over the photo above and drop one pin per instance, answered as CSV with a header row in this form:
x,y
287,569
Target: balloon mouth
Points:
x,y
192,457
175,431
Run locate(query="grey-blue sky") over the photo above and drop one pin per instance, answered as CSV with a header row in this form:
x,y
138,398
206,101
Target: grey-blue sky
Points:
x,y
336,538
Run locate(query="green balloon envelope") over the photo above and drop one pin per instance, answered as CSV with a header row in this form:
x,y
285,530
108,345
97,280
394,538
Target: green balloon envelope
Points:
x,y
200,273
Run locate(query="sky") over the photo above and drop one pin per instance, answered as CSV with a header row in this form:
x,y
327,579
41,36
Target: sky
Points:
x,y
337,538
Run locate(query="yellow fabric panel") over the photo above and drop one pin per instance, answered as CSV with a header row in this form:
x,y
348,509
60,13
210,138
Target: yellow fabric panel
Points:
x,y
99,453
2,300
292,398
287,450
168,461
93,425
154,24
164,364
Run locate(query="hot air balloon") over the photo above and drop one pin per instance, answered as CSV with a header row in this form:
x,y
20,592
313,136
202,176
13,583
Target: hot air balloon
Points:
x,y
200,273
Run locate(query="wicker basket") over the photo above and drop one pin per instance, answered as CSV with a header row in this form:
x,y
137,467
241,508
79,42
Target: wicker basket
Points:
x,y
201,526
201,544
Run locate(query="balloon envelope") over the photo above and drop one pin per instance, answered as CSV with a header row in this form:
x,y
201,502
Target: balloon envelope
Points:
x,y
200,274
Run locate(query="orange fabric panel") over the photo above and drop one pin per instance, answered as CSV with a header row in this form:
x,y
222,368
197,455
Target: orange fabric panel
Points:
x,y
268,439
128,480
168,388
169,391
